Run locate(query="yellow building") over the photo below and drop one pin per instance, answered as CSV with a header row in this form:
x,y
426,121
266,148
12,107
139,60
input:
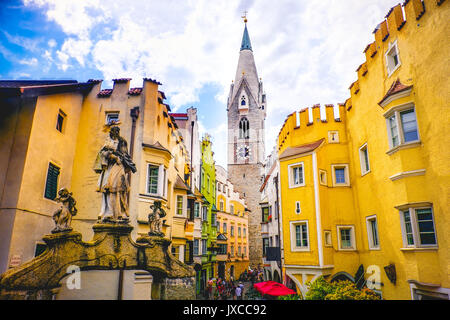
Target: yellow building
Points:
x,y
232,228
368,190
52,133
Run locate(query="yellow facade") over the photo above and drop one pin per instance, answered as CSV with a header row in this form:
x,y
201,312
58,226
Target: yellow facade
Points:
x,y
412,176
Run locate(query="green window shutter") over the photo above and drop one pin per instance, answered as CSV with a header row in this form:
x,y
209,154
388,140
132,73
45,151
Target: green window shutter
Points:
x,y
51,186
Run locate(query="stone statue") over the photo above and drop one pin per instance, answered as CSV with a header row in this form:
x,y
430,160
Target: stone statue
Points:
x,y
154,219
114,163
63,216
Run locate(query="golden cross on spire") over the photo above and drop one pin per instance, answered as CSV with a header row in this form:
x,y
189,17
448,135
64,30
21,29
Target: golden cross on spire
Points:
x,y
245,16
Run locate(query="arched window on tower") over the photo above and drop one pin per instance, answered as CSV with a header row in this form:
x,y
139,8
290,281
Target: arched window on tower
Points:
x,y
244,129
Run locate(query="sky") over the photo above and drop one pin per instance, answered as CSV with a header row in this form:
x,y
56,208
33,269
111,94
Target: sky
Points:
x,y
306,51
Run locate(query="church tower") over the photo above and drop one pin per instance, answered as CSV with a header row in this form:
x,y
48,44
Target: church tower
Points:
x,y
246,109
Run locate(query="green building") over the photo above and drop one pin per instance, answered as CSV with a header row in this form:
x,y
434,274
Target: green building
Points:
x,y
209,213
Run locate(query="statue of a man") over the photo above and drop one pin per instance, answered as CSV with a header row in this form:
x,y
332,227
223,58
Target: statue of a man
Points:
x,y
63,216
154,219
113,163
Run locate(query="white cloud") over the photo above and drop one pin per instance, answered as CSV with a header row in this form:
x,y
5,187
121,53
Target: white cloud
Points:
x,y
29,62
306,51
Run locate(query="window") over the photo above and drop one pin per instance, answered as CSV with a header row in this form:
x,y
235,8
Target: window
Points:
x,y
418,227
152,182
221,205
392,58
239,232
243,102
244,129
187,252
402,126
340,175
225,227
60,121
323,177
176,251
112,118
245,232
231,209
222,248
245,251
265,214
298,209
196,210
219,188
364,159
204,213
346,237
372,232
276,209
213,219
196,246
208,183
277,241
51,184
232,250
327,237
265,245
239,251
204,246
296,175
299,236
232,231
203,180
180,205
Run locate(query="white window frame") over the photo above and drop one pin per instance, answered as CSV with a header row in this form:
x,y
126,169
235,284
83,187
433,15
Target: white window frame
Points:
x,y
183,208
415,228
370,239
324,172
362,159
326,243
108,113
291,175
294,247
401,139
352,237
393,46
346,172
162,180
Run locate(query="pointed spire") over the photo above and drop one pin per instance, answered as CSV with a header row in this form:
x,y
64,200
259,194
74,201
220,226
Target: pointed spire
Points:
x,y
246,45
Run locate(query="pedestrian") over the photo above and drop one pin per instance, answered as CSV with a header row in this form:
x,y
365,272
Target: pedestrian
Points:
x,y
233,291
239,293
241,285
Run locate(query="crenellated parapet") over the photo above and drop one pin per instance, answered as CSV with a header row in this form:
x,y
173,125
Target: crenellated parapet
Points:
x,y
402,20
309,122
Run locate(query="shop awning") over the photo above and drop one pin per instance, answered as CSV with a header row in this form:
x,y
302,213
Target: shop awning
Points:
x,y
273,288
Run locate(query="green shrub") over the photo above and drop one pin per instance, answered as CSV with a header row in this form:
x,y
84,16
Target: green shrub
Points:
x,y
290,297
340,290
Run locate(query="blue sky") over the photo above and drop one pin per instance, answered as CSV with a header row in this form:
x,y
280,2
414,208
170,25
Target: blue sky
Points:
x,y
306,51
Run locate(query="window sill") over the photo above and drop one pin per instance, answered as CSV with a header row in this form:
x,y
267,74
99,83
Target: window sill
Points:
x,y
402,146
420,249
340,185
300,250
347,250
374,249
296,186
365,173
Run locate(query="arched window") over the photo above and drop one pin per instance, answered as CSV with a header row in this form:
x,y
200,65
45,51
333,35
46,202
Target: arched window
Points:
x,y
244,129
243,102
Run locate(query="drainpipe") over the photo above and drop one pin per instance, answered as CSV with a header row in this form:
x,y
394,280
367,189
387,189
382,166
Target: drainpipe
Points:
x,y
275,180
317,204
192,151
134,113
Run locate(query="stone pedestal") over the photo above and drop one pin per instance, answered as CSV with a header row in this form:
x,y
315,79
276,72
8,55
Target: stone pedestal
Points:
x,y
110,249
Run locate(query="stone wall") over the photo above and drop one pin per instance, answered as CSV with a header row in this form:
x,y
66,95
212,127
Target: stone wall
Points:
x,y
178,289
247,179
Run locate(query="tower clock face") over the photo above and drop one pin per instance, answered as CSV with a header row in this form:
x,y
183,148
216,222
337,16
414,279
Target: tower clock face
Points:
x,y
244,152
